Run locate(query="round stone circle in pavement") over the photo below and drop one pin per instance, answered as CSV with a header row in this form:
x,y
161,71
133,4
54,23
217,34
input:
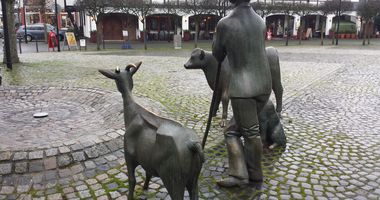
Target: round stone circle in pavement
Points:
x,y
74,115
79,123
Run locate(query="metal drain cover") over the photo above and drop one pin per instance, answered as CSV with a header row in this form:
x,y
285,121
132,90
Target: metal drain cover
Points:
x,y
40,115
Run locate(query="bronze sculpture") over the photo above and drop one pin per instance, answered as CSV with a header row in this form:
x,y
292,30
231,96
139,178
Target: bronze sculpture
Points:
x,y
271,130
275,71
201,59
161,146
240,37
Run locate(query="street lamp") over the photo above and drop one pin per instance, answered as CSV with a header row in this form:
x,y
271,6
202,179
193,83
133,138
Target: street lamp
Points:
x,y
224,8
337,30
24,10
56,21
6,35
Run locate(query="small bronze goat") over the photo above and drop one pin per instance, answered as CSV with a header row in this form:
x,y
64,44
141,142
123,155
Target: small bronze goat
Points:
x,y
163,147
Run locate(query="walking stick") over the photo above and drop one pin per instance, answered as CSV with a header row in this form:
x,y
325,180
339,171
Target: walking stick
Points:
x,y
213,104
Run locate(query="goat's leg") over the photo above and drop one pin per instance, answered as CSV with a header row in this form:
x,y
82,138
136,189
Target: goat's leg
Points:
x,y
131,165
147,179
177,192
225,101
264,133
175,188
278,91
192,188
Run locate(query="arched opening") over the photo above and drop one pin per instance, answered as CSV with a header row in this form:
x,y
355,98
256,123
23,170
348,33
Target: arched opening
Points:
x,y
314,25
115,23
347,26
207,26
162,26
279,24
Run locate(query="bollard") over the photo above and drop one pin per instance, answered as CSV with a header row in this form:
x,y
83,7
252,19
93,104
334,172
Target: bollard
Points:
x,y
104,44
82,43
19,45
1,77
36,46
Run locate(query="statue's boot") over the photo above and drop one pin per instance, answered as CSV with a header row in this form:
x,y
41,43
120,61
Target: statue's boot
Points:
x,y
253,151
238,174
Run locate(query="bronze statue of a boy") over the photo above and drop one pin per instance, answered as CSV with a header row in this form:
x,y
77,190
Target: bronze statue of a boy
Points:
x,y
240,37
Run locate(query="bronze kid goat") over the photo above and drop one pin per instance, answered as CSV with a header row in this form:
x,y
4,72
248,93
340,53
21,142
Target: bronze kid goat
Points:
x,y
163,147
201,59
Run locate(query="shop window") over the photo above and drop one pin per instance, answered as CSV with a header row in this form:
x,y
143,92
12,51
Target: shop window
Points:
x,y
153,24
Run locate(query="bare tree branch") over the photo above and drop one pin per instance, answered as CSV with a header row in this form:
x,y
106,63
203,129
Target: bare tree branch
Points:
x,y
96,9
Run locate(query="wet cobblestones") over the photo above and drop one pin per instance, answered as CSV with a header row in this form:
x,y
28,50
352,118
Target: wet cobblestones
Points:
x,y
330,116
82,124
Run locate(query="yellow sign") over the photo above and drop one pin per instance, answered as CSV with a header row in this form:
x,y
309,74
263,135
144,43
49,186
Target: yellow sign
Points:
x,y
71,41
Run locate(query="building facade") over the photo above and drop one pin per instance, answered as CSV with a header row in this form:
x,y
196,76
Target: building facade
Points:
x,y
162,26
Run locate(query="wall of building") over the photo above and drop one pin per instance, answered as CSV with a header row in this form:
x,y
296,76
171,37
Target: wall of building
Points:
x,y
89,24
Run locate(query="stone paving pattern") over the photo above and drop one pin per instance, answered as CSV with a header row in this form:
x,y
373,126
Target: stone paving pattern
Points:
x,y
330,116
73,113
82,124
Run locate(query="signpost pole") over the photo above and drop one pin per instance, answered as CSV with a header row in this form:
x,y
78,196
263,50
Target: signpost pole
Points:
x,y
7,46
56,21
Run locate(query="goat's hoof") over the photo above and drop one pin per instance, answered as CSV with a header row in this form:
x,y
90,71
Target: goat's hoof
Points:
x,y
146,187
274,145
222,123
232,182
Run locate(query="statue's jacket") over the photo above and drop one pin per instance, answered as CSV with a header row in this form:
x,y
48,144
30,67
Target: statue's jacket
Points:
x,y
240,36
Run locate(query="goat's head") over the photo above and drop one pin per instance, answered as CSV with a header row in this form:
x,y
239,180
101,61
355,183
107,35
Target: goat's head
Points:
x,y
197,59
123,78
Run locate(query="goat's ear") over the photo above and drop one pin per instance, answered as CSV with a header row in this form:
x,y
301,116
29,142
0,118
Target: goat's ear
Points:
x,y
108,73
202,55
136,67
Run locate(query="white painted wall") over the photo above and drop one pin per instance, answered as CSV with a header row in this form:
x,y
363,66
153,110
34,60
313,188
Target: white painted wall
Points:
x,y
297,23
90,26
358,25
185,22
329,22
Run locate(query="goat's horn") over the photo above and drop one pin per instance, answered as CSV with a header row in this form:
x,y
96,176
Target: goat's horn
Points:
x,y
128,67
117,70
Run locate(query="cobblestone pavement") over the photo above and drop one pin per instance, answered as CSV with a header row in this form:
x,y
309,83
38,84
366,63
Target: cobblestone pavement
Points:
x,y
330,116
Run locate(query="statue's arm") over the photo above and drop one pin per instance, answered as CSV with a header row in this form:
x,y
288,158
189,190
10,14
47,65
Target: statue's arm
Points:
x,y
218,48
